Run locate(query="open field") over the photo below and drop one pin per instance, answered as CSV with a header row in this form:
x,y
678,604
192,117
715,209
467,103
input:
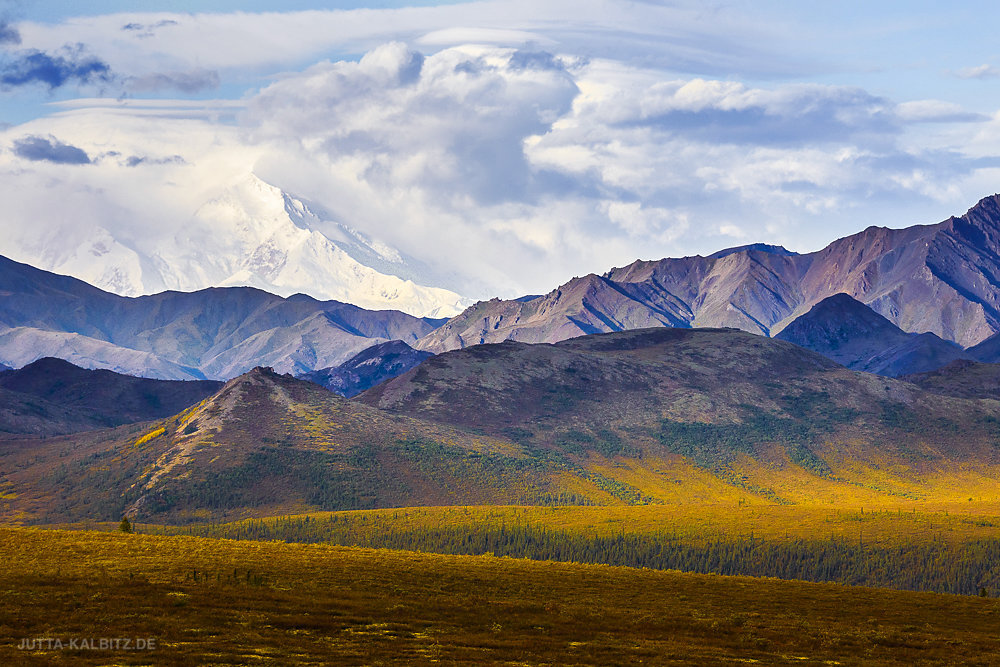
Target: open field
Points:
x,y
228,602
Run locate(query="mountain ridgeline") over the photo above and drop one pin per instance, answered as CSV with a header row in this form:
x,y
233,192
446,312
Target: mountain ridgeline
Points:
x,y
664,415
215,333
942,278
52,397
367,368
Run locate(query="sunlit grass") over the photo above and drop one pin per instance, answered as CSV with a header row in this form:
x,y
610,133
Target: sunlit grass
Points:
x,y
227,602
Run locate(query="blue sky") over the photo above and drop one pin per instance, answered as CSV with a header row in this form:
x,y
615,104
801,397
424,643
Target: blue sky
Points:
x,y
582,135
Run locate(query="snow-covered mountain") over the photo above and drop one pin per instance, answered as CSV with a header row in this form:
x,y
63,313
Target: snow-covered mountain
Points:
x,y
249,234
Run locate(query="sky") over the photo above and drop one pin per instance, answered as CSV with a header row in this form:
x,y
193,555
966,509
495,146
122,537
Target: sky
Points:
x,y
508,145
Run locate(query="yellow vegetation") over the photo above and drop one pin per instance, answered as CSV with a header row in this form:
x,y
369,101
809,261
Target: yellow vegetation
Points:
x,y
149,436
226,602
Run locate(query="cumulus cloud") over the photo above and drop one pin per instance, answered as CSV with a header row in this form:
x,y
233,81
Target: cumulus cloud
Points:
x,y
49,149
71,64
514,168
454,121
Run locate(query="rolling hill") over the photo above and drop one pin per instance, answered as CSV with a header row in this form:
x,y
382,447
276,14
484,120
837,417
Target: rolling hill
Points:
x,y
51,397
267,444
761,414
962,378
676,416
926,278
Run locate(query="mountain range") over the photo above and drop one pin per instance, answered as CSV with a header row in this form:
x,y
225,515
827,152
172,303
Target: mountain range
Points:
x,y
942,278
215,333
648,416
247,233
54,397
913,298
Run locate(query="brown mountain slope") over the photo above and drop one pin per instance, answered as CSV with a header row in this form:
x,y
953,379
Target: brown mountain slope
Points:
x,y
962,378
684,416
939,278
111,398
266,444
750,410
53,397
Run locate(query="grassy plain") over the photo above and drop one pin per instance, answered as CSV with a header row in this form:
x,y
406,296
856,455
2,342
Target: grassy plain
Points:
x,y
238,602
951,521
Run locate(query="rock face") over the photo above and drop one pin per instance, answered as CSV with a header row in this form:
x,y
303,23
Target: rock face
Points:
x,y
367,368
216,333
52,396
943,279
852,334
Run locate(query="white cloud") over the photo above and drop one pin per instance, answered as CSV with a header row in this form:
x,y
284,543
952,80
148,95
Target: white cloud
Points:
x,y
935,111
985,71
508,170
684,36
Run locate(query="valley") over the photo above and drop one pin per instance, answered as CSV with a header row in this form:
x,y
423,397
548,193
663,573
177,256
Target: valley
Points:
x,y
843,461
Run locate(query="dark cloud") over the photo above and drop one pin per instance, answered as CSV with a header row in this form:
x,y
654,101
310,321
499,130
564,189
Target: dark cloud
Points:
x,y
136,160
143,30
8,33
520,60
53,70
49,149
192,81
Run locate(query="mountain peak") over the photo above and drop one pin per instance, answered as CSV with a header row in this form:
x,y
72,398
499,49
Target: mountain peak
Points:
x,y
985,212
761,247
850,333
836,321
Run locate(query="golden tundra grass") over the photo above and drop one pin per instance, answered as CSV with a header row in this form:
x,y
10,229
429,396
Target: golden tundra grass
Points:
x,y
227,602
883,525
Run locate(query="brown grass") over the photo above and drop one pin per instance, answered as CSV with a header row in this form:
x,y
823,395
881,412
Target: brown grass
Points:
x,y
271,603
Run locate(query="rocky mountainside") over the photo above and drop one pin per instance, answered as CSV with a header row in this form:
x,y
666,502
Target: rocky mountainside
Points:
x,y
942,278
215,333
52,396
368,368
852,334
